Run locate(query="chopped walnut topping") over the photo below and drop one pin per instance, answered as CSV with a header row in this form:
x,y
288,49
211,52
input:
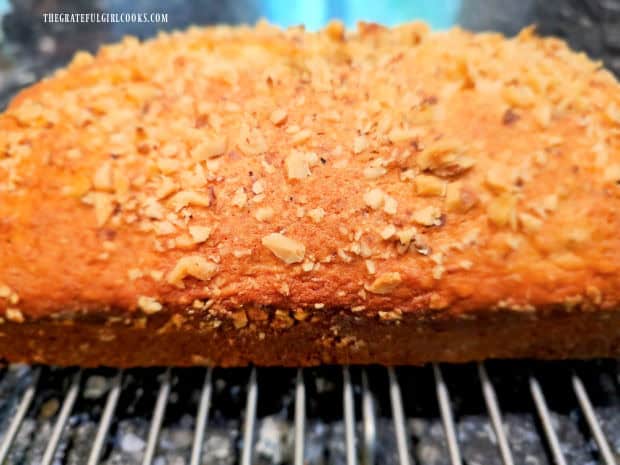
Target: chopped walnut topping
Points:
x,y
286,249
374,198
183,199
394,315
168,165
199,233
163,228
264,214
428,216
210,148
426,185
390,205
240,199
134,273
388,232
192,265
278,116
156,275
5,291
406,235
301,137
297,166
529,222
104,207
153,209
374,172
359,144
542,115
15,315
519,96
240,319
385,283
444,159
550,202
102,179
397,135
459,199
501,211
316,214
612,174
149,305
612,112
498,179
166,187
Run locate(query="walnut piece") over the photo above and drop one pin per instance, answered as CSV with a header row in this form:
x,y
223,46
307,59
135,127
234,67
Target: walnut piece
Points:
x,y
149,305
104,207
102,179
612,174
195,266
426,185
286,249
385,283
183,199
297,166
444,159
278,116
374,198
459,198
199,233
264,214
428,216
501,211
316,214
15,315
210,148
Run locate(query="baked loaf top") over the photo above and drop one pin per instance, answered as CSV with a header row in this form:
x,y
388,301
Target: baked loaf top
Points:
x,y
381,171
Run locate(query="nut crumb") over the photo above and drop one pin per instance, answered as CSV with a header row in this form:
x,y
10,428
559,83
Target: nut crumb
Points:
x,y
240,198
374,172
501,211
278,116
390,205
199,233
149,305
5,291
459,198
374,198
104,207
428,216
529,222
183,199
264,214
297,166
15,315
195,266
359,144
385,283
427,185
286,249
134,273
316,214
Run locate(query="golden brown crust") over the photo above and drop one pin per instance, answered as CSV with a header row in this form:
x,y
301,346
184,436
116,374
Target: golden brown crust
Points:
x,y
388,172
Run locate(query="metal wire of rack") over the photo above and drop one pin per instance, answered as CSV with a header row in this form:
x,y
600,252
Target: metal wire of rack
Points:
x,y
361,437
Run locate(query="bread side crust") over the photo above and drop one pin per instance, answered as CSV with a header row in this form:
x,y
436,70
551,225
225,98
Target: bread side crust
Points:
x,y
392,173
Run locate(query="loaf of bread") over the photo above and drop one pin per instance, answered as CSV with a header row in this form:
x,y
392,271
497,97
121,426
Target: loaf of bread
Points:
x,y
251,195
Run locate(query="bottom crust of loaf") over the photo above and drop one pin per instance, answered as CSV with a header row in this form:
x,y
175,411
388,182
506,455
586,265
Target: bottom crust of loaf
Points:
x,y
335,338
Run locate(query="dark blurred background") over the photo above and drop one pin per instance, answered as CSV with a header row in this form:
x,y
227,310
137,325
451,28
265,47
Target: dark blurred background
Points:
x,y
30,48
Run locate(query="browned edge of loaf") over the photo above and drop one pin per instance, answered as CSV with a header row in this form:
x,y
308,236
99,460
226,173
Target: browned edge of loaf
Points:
x,y
339,337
